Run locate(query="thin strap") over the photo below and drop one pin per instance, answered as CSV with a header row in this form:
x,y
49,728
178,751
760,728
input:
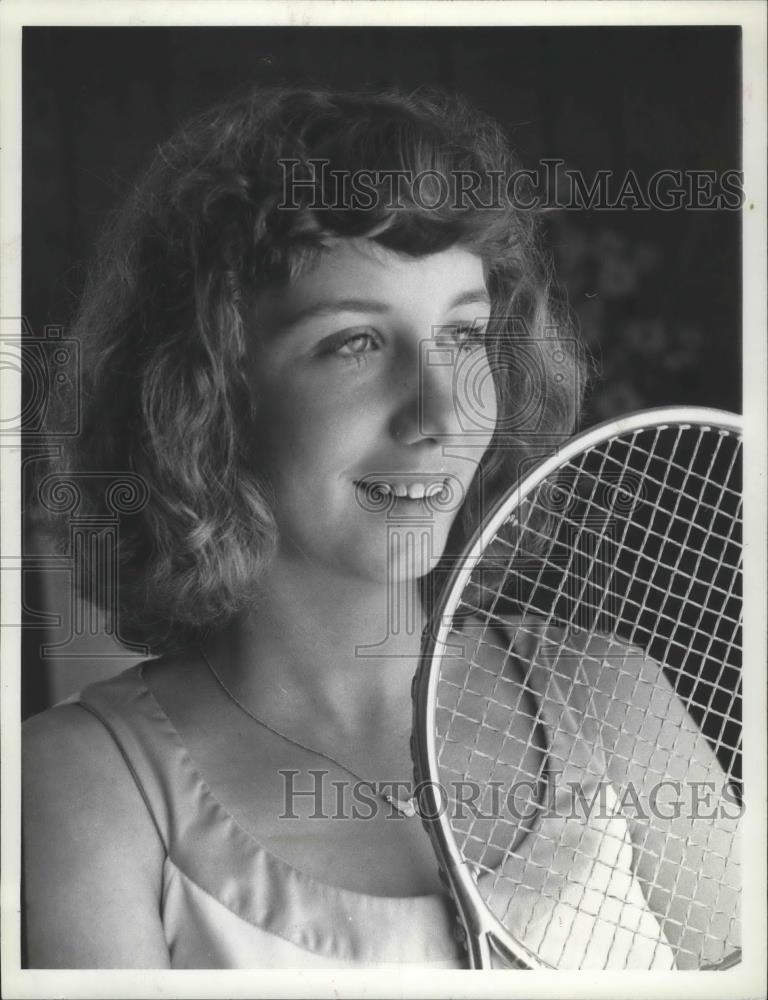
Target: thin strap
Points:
x,y
92,710
210,847
121,705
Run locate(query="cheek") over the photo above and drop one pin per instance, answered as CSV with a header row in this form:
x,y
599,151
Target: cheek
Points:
x,y
476,398
307,443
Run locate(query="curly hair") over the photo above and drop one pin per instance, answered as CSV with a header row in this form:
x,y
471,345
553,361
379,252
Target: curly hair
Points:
x,y
162,323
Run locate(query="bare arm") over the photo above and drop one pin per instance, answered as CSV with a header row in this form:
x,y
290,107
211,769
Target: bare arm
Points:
x,y
93,859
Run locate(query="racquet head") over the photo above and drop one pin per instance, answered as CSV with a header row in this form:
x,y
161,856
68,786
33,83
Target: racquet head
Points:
x,y
577,708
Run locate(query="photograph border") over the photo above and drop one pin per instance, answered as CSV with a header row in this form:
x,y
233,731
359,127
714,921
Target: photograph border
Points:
x,y
748,979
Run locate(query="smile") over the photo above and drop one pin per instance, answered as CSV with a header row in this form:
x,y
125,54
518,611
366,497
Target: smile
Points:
x,y
402,490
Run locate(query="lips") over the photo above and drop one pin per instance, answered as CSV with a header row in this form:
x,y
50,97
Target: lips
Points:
x,y
400,489
411,491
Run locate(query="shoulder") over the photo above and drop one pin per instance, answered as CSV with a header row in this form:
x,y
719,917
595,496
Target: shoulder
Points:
x,y
69,740
593,658
592,668
93,858
620,671
570,649
73,775
67,728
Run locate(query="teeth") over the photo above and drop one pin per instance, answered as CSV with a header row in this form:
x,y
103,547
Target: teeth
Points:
x,y
413,491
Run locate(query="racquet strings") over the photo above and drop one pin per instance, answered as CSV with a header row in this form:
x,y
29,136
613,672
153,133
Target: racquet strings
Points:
x,y
625,558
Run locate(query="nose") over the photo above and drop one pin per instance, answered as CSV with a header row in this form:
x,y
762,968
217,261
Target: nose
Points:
x,y
426,402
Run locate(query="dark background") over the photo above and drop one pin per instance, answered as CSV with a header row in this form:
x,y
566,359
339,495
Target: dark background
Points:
x,y
658,294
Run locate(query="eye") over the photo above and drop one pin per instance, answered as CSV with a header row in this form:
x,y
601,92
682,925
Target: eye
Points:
x,y
468,336
358,343
350,344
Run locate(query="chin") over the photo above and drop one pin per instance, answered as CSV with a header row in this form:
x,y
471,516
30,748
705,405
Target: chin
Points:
x,y
407,552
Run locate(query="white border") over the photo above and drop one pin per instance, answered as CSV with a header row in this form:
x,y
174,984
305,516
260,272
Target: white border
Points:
x,y
747,980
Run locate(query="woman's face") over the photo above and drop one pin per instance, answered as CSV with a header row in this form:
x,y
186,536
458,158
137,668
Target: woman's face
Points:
x,y
369,370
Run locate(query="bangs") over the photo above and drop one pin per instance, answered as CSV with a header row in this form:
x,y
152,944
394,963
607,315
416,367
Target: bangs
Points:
x,y
416,176
246,196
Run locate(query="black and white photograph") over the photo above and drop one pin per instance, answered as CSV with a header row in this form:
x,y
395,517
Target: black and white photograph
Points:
x,y
383,465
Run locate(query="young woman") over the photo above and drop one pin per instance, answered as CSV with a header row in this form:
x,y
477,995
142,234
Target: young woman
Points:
x,y
304,332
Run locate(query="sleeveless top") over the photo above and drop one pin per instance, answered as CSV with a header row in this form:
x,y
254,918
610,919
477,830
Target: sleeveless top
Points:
x,y
229,903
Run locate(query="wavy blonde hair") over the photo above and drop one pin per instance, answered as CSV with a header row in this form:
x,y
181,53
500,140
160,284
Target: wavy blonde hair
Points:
x,y
164,336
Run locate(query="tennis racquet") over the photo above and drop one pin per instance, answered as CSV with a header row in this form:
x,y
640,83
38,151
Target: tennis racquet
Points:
x,y
577,708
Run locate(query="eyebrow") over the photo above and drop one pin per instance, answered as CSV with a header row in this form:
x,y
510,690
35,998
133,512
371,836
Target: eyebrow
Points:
x,y
470,297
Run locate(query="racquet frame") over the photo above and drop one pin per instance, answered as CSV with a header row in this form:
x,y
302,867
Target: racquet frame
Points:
x,y
484,934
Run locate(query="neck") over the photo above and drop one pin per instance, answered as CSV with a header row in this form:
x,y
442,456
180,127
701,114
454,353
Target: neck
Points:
x,y
318,650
